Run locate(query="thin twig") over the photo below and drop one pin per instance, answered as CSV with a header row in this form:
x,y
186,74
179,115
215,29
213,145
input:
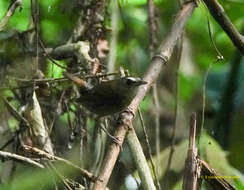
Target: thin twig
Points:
x,y
149,149
204,97
9,13
219,57
16,87
204,101
61,79
60,176
42,153
52,80
40,80
10,141
172,146
153,42
114,36
35,19
49,56
157,123
152,27
16,157
18,117
16,114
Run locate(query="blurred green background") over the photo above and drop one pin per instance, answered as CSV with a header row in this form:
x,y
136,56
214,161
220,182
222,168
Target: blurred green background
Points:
x,y
222,137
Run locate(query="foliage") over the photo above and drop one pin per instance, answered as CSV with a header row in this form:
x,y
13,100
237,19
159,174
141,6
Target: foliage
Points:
x,y
57,21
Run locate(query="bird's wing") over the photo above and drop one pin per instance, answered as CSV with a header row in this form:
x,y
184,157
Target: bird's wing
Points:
x,y
104,89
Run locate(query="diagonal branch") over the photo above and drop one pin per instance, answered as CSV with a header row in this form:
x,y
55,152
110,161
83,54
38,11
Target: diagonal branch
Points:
x,y
213,178
16,157
44,154
221,17
158,60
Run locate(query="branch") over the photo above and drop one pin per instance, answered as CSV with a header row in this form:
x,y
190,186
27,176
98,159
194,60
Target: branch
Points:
x,y
9,13
178,53
140,160
152,26
155,172
18,117
42,153
79,49
16,157
148,180
191,166
114,36
216,181
158,60
16,114
220,16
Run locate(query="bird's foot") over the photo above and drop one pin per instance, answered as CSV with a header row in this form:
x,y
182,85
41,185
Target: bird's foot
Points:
x,y
117,141
129,110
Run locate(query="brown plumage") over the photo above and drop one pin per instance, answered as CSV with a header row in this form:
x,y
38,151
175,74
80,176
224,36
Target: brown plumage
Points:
x,y
111,96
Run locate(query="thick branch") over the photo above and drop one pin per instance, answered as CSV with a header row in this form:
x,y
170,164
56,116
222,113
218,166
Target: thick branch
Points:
x,y
220,16
161,58
140,160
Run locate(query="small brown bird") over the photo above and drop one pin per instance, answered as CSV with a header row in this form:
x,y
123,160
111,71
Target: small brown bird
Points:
x,y
109,97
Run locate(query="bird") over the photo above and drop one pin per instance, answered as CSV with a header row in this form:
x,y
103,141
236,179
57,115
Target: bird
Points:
x,y
110,97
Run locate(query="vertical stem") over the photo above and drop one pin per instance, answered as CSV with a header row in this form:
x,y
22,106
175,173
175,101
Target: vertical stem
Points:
x,y
35,17
152,46
191,167
172,148
113,41
140,160
152,27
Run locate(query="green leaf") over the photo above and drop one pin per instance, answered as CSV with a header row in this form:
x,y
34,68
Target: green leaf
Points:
x,y
146,103
21,18
216,157
54,71
50,31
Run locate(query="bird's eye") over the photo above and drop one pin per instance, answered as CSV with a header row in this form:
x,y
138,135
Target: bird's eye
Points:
x,y
129,81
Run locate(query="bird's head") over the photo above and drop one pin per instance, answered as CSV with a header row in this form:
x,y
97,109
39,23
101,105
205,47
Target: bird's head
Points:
x,y
131,82
128,85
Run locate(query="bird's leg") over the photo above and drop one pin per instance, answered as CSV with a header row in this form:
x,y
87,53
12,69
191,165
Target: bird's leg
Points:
x,y
122,120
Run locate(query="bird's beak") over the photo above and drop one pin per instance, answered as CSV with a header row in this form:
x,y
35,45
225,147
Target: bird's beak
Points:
x,y
140,82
